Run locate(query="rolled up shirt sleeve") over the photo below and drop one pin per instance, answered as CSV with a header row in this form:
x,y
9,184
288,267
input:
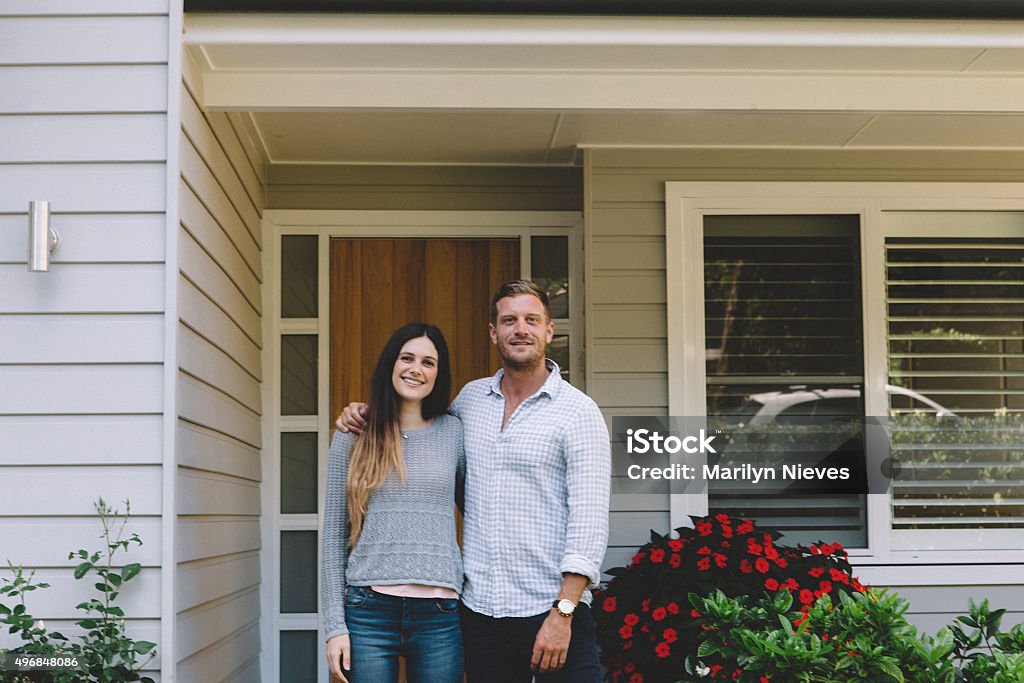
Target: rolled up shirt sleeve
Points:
x,y
588,489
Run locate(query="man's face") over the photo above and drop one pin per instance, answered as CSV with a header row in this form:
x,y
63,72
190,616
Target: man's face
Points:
x,y
522,331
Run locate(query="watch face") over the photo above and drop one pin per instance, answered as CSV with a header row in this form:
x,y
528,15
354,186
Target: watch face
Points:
x,y
566,606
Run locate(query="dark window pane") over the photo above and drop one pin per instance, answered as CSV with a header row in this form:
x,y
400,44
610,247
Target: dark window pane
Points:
x,y
558,351
298,657
298,374
549,258
298,276
298,473
298,572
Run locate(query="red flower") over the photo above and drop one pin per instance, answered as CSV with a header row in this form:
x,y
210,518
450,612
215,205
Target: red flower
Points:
x,y
721,560
629,668
657,555
754,548
771,553
646,604
839,576
791,584
695,614
636,678
745,527
675,561
763,679
626,632
609,604
658,614
631,619
736,674
771,584
704,550
826,586
722,518
672,608
806,596
704,564
746,567
715,668
704,528
816,572
638,557
781,562
761,564
663,650
675,544
670,635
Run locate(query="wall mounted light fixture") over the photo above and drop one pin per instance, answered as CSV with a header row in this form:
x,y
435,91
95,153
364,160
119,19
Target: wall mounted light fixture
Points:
x,y
42,239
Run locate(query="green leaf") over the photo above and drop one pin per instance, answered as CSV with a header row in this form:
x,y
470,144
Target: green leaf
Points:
x,y
114,578
103,588
144,646
82,569
130,571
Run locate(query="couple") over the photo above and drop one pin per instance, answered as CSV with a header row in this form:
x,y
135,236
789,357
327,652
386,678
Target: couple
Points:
x,y
526,455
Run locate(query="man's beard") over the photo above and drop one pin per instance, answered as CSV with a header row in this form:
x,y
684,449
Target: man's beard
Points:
x,y
525,363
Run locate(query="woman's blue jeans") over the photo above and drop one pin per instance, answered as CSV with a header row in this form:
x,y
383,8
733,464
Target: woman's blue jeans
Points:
x,y
423,630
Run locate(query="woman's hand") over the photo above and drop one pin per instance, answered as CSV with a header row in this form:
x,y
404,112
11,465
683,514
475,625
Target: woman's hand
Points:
x,y
339,655
351,419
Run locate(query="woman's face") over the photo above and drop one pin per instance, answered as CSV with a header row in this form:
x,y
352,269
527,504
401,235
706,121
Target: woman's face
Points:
x,y
415,369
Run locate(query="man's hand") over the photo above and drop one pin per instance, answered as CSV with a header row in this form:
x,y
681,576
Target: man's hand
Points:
x,y
552,643
351,419
339,655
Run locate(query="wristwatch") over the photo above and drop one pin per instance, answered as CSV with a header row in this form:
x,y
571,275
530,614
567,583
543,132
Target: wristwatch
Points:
x,y
565,607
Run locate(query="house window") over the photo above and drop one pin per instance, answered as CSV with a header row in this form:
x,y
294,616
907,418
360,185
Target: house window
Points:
x,y
929,338
783,331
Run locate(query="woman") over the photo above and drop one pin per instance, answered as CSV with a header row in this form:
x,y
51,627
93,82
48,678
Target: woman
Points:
x,y
391,566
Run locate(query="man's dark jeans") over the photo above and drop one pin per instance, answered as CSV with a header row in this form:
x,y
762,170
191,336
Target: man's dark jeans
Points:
x,y
499,650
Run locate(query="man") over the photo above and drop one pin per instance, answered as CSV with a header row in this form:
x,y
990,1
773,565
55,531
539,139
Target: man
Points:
x,y
538,471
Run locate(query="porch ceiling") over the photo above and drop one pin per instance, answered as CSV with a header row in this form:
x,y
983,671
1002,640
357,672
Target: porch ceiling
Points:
x,y
529,90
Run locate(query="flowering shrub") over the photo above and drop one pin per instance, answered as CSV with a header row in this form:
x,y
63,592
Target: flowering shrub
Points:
x,y
647,627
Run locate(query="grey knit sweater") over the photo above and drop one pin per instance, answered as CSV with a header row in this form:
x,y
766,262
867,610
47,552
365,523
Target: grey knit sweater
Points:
x,y
409,532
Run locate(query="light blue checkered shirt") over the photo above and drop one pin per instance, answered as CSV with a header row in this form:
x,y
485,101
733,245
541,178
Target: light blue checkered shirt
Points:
x,y
537,495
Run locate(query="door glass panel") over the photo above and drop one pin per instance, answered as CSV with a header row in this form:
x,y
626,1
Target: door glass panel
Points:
x,y
549,258
298,276
298,572
298,473
558,351
784,351
298,374
299,658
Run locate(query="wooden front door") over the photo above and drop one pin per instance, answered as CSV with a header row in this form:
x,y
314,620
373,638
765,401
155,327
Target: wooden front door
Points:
x,y
378,285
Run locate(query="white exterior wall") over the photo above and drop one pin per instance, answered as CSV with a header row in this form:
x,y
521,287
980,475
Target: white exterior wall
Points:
x,y
217,576
627,350
83,125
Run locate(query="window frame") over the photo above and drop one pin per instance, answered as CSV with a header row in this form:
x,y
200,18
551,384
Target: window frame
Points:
x,y
686,203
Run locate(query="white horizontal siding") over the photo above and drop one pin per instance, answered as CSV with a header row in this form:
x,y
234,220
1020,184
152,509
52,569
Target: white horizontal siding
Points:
x,y
89,238
83,123
46,491
219,430
138,629
81,439
27,339
83,89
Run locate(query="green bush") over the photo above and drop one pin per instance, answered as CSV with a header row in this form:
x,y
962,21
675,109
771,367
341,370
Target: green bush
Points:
x,y
104,653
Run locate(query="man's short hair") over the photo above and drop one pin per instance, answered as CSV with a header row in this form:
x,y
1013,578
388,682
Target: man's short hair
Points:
x,y
519,288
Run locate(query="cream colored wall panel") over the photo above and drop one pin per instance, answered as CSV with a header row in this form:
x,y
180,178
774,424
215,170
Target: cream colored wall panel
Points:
x,y
628,323
240,258
83,137
199,313
627,254
201,359
88,7
633,529
206,406
221,660
83,89
630,221
215,284
89,238
630,186
201,448
67,338
423,199
205,580
83,40
79,488
197,538
199,627
81,389
81,439
140,599
249,673
641,356
611,391
609,288
620,556
230,136
73,288
46,541
252,147
231,213
80,188
206,493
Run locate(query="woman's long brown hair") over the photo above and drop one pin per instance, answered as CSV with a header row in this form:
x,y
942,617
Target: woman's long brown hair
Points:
x,y
378,450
